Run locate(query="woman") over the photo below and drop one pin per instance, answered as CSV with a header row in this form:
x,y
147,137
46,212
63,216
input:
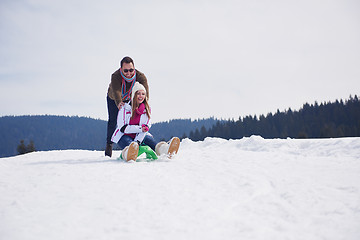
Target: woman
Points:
x,y
133,125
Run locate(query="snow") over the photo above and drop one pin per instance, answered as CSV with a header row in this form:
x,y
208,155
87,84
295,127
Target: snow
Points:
x,y
250,188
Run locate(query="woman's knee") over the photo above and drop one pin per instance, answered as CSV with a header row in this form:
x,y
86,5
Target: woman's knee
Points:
x,y
125,141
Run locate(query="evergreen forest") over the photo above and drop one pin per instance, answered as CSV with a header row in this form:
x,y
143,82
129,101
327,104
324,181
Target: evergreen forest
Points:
x,y
325,120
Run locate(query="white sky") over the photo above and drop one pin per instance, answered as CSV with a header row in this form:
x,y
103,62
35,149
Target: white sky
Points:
x,y
202,58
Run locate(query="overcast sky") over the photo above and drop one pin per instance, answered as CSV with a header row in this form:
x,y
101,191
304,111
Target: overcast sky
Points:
x,y
202,58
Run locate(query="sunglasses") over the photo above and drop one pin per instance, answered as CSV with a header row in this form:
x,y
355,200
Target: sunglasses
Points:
x,y
128,70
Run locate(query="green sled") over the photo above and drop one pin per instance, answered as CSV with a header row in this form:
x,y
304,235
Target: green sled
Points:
x,y
150,154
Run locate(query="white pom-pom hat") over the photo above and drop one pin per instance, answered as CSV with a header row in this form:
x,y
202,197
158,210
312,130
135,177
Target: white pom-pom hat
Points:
x,y
137,86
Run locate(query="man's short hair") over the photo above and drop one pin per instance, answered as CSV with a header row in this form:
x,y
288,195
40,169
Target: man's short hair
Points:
x,y
126,60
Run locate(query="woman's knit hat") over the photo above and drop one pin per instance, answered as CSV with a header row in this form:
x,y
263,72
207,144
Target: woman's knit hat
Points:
x,y
137,86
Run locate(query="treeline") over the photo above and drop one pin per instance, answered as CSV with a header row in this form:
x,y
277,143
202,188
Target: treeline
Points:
x,y
22,134
327,120
337,119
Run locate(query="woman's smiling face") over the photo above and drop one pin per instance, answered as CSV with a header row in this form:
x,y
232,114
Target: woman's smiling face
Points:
x,y
140,96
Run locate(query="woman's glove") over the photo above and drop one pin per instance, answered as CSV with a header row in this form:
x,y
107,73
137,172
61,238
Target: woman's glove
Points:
x,y
145,128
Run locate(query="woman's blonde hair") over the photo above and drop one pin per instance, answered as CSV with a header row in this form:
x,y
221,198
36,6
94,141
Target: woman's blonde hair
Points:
x,y
135,105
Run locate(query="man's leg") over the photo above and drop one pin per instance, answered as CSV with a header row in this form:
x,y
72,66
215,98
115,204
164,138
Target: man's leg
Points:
x,y
112,117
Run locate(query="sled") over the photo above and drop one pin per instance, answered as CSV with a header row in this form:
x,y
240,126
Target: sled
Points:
x,y
149,153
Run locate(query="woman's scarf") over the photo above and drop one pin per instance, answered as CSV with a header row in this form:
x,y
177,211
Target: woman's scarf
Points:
x,y
127,94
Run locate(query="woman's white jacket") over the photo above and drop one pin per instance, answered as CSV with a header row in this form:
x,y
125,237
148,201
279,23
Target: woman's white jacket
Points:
x,y
123,126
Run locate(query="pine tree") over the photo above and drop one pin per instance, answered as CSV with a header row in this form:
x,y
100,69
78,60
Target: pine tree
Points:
x,y
31,147
203,133
21,148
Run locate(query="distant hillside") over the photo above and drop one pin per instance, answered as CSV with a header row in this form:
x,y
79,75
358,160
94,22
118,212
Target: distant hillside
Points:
x,y
327,120
61,132
51,133
180,127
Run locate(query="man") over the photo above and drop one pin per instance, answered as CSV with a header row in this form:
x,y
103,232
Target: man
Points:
x,y
119,92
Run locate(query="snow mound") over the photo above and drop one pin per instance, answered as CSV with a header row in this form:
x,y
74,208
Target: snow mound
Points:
x,y
252,188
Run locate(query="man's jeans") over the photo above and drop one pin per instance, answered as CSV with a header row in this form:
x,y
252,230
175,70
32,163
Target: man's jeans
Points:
x,y
112,120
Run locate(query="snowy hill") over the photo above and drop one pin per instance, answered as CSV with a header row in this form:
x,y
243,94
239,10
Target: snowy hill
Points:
x,y
216,189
